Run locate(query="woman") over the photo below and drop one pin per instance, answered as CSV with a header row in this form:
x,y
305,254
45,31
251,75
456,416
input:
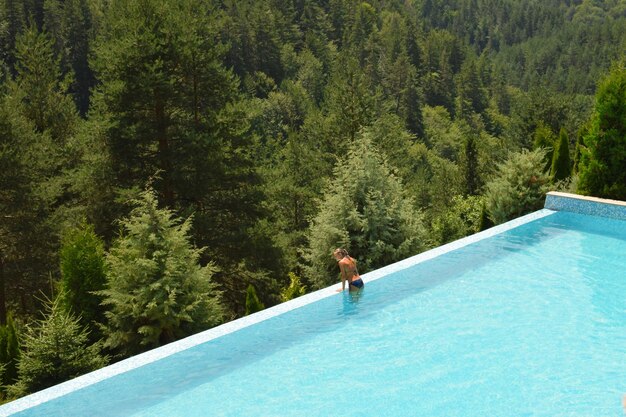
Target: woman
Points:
x,y
349,273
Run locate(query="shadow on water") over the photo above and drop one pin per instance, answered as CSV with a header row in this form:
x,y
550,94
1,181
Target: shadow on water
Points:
x,y
153,383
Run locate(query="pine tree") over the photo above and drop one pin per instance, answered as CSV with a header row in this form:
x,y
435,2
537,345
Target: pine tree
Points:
x,y
561,164
471,97
69,23
167,104
40,87
253,304
54,350
156,291
83,274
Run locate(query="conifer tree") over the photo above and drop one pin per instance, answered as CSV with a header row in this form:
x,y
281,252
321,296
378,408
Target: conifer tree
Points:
x,y
543,138
40,88
363,209
167,104
603,156
54,350
518,186
9,352
82,274
472,179
157,292
561,164
253,304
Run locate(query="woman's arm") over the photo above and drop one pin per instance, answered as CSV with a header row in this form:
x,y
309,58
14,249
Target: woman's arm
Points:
x,y
344,277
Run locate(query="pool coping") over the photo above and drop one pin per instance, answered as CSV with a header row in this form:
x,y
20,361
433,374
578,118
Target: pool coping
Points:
x,y
67,387
581,204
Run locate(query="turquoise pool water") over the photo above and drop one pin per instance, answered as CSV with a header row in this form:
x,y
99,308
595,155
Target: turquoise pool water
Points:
x,y
530,322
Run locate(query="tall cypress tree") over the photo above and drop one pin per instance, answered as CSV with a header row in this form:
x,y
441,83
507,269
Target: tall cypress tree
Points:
x,y
253,304
561,164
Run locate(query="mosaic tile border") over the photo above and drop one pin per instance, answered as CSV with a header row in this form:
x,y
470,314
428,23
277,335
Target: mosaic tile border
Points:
x,y
126,365
585,205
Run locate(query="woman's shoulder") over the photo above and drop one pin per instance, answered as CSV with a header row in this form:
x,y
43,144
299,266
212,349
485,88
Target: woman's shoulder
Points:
x,y
348,260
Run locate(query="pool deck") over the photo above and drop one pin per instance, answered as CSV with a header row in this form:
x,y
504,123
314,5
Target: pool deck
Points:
x,y
555,201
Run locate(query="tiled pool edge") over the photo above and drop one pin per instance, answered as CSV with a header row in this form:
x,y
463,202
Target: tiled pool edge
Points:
x,y
137,361
585,205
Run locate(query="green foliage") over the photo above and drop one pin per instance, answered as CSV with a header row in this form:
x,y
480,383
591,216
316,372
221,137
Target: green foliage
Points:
x,y
349,101
484,222
253,304
9,352
241,109
82,275
363,209
603,156
167,103
544,138
295,288
41,89
561,163
470,159
70,24
157,291
518,186
54,349
461,219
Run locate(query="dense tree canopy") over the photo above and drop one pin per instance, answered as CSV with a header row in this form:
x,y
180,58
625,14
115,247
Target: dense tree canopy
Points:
x,y
279,130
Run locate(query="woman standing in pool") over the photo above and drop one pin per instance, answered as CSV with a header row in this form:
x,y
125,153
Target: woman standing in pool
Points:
x,y
349,273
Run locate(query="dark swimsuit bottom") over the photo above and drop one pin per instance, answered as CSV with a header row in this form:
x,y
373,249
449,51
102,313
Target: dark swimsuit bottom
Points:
x,y
357,283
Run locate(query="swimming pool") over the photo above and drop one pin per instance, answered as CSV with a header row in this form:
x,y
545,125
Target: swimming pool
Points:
x,y
530,321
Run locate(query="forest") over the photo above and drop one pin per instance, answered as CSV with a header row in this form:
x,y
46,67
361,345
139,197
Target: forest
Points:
x,y
167,166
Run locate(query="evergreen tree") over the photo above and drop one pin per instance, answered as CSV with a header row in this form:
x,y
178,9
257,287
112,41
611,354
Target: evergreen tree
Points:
x,y
544,138
471,97
69,23
54,349
561,165
364,210
168,105
349,102
9,353
41,89
157,292
39,93
472,178
518,187
603,156
12,21
253,304
32,132
83,274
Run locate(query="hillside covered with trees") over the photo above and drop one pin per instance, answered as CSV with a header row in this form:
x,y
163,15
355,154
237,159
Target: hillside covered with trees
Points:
x,y
166,166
